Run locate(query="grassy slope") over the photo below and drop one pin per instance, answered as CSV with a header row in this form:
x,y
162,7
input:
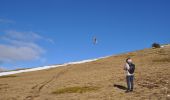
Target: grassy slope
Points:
x,y
103,79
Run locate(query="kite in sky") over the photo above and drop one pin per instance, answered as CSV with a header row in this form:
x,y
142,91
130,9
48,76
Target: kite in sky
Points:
x,y
94,40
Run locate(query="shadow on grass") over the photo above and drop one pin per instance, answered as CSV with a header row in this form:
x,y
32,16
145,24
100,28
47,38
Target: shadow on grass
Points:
x,y
120,87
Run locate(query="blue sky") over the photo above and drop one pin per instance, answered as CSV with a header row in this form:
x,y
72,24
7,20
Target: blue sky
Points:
x,y
45,32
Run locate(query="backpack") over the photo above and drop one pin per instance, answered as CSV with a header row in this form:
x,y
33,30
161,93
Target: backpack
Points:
x,y
131,68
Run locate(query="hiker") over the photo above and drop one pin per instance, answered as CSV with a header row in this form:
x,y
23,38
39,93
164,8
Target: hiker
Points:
x,y
129,68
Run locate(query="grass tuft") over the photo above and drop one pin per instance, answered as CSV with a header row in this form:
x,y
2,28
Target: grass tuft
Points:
x,y
76,89
8,76
162,60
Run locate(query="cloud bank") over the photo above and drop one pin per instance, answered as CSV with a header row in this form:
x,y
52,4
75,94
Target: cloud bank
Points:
x,y
20,46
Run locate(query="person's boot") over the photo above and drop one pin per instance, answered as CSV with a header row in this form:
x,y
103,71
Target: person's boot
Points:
x,y
131,90
127,91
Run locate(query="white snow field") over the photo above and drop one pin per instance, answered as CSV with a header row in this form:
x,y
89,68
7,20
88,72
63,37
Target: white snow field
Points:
x,y
48,67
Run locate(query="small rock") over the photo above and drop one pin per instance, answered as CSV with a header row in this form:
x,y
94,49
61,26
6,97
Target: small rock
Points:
x,y
168,97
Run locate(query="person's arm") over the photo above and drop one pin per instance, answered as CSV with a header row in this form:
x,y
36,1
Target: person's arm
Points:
x,y
125,67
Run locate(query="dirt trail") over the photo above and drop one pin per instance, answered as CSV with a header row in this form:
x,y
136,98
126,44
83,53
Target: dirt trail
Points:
x,y
36,89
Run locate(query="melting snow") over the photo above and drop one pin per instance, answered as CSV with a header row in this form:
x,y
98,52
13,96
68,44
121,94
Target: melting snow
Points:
x,y
47,67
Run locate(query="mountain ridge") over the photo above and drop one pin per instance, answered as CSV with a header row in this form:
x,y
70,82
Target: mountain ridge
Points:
x,y
103,79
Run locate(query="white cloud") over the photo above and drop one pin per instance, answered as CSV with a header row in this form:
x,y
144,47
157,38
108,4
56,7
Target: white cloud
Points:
x,y
20,46
50,40
11,53
22,36
2,69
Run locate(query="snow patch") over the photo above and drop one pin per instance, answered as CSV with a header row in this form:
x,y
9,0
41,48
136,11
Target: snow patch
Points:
x,y
48,67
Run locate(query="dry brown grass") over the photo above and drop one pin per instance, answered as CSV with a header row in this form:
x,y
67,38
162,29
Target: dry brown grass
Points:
x,y
95,80
162,60
76,89
8,76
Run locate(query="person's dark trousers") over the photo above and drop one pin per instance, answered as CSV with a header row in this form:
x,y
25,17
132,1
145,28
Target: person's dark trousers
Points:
x,y
129,80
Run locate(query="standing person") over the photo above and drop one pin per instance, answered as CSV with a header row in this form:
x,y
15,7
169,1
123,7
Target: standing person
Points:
x,y
129,68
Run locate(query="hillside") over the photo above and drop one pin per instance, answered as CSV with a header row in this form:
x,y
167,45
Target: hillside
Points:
x,y
103,79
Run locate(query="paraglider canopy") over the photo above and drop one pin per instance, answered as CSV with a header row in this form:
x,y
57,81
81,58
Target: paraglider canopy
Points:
x,y
94,40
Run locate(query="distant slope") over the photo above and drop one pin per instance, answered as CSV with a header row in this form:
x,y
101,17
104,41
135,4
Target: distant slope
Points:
x,y
102,79
4,72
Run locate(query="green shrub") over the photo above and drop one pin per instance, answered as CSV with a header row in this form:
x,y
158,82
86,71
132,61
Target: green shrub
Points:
x,y
156,45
